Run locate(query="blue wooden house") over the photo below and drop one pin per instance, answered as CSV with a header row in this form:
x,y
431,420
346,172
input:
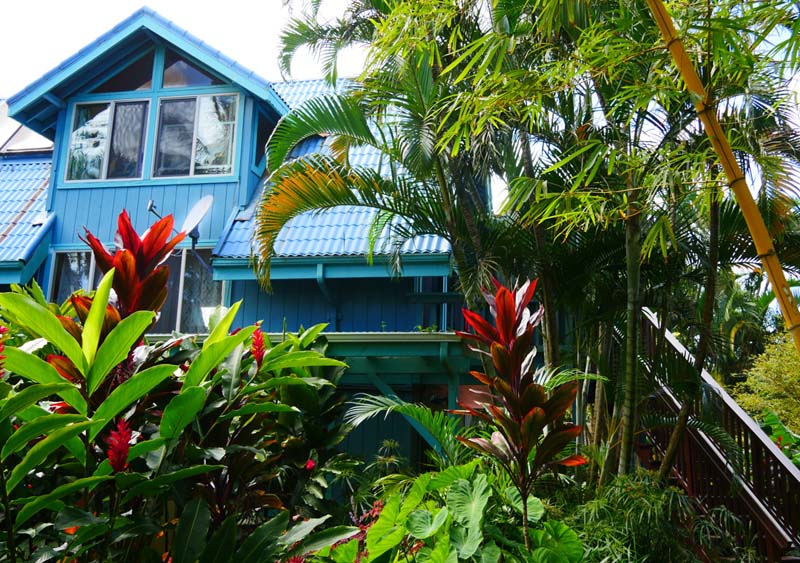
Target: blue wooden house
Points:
x,y
150,119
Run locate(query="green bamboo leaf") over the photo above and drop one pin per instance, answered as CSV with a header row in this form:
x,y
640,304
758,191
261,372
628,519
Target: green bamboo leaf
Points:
x,y
36,369
39,503
39,452
255,408
129,392
31,395
262,544
222,328
181,410
190,535
211,356
116,347
152,485
219,548
35,428
94,321
45,324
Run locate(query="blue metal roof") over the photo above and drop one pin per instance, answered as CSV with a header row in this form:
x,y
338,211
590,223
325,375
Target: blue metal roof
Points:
x,y
296,92
42,99
341,231
23,219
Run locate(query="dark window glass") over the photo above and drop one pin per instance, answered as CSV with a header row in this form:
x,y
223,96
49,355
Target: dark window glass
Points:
x,y
175,136
71,274
169,312
137,76
178,72
127,140
201,294
263,131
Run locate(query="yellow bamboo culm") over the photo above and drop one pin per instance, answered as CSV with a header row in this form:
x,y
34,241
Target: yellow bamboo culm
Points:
x,y
755,223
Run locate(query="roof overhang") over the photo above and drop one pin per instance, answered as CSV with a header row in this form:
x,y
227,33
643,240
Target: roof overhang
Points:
x,y
38,105
21,271
334,267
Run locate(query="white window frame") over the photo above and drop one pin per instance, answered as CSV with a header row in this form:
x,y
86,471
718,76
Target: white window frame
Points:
x,y
157,129
112,104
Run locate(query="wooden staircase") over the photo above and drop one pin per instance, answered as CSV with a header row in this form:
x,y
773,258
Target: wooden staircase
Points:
x,y
765,487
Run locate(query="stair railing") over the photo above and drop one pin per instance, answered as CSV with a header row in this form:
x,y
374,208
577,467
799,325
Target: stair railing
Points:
x,y
764,489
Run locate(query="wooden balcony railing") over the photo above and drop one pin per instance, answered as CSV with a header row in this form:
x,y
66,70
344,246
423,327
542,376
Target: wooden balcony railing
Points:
x,y
763,488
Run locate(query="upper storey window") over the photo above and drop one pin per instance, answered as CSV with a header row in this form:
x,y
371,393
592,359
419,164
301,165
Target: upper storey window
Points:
x,y
178,73
107,141
160,116
196,136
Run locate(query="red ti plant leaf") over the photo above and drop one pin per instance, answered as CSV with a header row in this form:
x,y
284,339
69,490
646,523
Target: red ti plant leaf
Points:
x,y
65,368
573,461
484,332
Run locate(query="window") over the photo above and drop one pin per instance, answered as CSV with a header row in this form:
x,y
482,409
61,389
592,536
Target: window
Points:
x,y
192,294
196,136
178,73
107,141
136,76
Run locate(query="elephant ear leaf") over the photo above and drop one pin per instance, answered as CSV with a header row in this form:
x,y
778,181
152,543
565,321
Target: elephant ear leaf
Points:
x,y
422,524
467,501
556,542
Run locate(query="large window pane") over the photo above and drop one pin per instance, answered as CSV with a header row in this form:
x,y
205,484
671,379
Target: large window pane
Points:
x,y
71,273
137,76
127,140
175,135
87,146
169,312
201,294
215,132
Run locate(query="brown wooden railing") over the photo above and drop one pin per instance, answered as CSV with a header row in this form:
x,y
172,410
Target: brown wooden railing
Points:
x,y
762,489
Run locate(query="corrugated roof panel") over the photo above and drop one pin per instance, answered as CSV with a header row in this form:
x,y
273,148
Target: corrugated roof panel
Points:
x,y
341,231
23,185
296,92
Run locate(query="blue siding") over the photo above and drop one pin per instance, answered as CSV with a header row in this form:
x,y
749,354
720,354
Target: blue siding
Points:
x,y
98,208
361,305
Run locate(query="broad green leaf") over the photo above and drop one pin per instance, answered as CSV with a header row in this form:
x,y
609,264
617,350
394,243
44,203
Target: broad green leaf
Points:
x,y
46,501
535,506
254,408
94,321
467,501
262,544
44,323
152,485
275,382
116,347
490,553
299,359
222,327
190,535
75,446
39,452
301,530
35,428
387,531
345,553
555,540
129,392
325,538
31,395
415,495
220,547
448,476
212,355
310,335
36,369
181,410
422,524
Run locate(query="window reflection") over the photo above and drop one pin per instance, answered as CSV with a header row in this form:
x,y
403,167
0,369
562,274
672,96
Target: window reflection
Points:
x,y
87,148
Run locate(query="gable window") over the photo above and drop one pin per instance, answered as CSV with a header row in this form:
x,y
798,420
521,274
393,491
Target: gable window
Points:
x,y
179,73
196,136
107,141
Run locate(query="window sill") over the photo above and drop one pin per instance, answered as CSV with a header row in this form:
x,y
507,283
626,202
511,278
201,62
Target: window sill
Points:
x,y
182,180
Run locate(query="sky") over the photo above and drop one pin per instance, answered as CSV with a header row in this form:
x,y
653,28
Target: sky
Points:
x,y
37,35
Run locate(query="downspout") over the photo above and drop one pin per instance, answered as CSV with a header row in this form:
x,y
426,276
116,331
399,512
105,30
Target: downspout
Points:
x,y
755,223
328,295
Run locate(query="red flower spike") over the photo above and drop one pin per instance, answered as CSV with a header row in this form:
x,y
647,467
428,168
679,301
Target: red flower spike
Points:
x,y
119,444
257,348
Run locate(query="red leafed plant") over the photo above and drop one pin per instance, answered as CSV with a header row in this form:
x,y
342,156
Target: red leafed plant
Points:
x,y
518,408
140,278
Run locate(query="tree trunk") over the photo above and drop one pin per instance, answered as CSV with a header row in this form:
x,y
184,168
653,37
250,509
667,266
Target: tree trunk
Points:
x,y
633,256
709,295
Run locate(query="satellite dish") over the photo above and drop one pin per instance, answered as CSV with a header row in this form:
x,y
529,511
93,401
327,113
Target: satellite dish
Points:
x,y
197,213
